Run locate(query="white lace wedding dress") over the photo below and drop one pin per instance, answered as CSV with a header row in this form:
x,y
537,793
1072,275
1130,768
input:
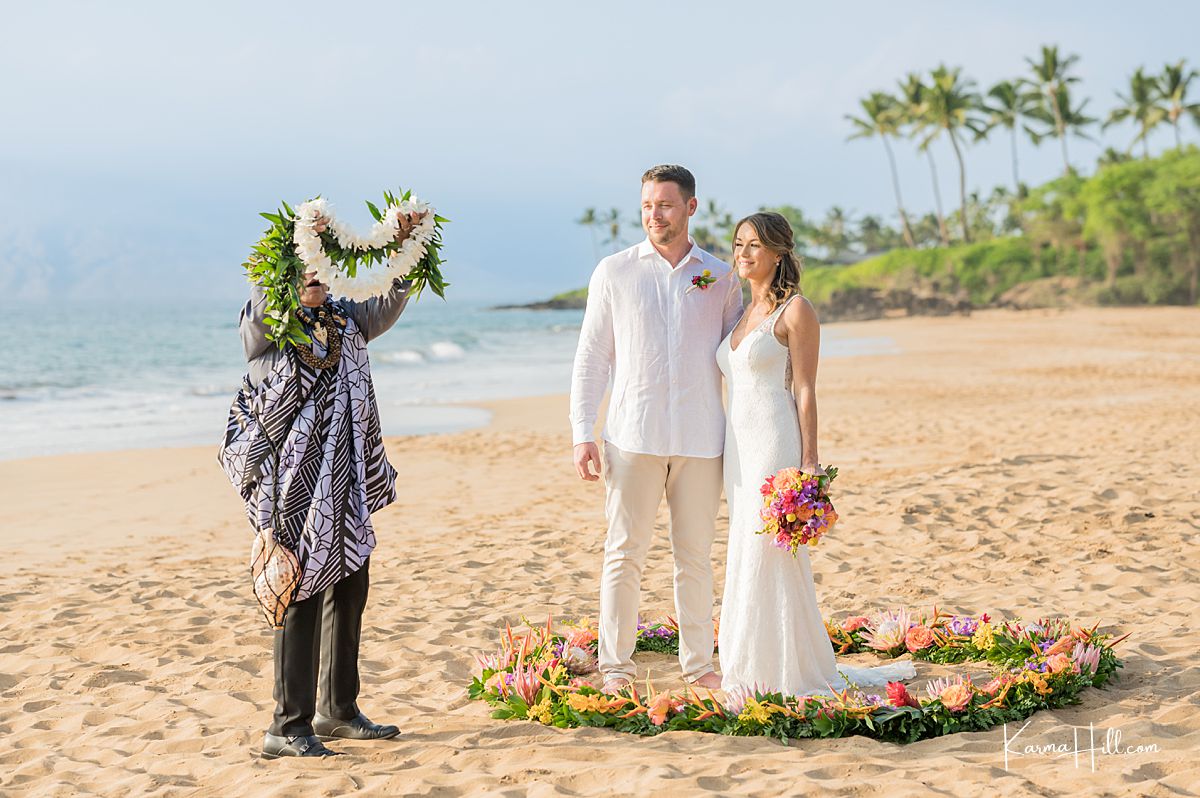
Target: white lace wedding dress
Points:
x,y
771,636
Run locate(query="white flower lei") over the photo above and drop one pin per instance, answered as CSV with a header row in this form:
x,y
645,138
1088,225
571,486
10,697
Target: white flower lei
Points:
x,y
368,282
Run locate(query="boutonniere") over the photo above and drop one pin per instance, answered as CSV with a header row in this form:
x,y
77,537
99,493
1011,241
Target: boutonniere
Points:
x,y
702,281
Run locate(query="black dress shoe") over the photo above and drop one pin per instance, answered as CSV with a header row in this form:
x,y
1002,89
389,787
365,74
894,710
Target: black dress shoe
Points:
x,y
356,728
275,746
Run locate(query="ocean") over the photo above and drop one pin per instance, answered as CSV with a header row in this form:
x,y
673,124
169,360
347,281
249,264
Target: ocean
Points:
x,y
110,375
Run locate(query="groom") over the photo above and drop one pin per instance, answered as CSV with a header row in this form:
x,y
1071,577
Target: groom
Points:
x,y
649,327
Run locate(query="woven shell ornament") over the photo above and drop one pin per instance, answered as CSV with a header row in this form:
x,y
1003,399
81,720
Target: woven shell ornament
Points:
x,y
276,574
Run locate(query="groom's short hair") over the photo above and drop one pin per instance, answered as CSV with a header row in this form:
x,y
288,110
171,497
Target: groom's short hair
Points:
x,y
672,173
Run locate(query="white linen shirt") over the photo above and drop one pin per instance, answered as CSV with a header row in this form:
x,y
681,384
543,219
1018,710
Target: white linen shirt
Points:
x,y
658,342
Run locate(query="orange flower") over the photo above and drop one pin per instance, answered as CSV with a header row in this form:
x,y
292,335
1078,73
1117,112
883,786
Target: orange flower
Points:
x,y
956,696
1057,663
918,637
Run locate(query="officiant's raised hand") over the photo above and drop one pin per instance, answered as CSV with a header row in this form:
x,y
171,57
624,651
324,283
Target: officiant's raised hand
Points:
x,y
587,456
407,223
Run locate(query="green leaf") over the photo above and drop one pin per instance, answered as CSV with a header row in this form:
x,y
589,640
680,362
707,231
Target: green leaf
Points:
x,y
375,211
271,217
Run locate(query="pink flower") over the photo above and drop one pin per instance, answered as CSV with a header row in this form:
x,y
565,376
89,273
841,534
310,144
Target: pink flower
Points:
x,y
1086,656
918,637
854,622
1056,663
898,696
660,707
954,693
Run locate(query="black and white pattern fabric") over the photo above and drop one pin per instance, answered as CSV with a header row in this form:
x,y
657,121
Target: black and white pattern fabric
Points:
x,y
305,451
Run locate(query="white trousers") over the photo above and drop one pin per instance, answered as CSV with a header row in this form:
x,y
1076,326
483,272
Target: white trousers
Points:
x,y
634,487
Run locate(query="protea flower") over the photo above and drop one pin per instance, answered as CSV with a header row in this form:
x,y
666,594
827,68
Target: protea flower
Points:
x,y
492,662
578,661
887,630
1086,656
736,698
954,693
524,685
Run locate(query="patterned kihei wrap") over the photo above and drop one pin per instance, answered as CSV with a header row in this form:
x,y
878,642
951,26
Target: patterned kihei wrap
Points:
x,y
305,452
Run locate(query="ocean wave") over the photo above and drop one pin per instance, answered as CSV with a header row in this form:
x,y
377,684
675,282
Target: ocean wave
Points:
x,y
212,390
405,357
446,350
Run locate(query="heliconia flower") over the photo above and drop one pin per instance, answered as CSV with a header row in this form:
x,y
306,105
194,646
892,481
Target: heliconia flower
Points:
x,y
918,637
998,683
1086,657
661,706
898,696
1063,645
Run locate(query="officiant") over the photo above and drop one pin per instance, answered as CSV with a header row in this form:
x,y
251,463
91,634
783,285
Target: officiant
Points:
x,y
304,448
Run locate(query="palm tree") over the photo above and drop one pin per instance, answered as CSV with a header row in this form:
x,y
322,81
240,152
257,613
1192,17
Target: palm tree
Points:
x,y
879,119
1141,106
834,233
612,220
714,229
1064,116
590,221
912,111
952,106
1009,103
1051,80
1172,89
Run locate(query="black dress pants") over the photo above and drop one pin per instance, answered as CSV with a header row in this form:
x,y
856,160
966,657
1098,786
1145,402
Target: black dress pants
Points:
x,y
321,631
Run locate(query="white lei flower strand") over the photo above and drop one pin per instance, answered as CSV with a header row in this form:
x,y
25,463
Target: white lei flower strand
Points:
x,y
370,282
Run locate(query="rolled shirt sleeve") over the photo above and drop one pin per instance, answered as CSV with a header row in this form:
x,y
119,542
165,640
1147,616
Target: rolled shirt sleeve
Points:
x,y
593,359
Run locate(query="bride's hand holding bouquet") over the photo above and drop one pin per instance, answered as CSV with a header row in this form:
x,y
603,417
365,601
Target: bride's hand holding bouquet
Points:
x,y
797,510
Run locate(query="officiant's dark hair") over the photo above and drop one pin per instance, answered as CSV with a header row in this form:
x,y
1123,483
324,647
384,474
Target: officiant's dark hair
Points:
x,y
672,173
776,234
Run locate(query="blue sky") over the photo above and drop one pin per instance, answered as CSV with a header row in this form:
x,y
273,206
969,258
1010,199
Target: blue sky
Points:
x,y
140,139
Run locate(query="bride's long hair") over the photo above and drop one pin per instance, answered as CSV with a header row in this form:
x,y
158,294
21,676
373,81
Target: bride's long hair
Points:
x,y
776,234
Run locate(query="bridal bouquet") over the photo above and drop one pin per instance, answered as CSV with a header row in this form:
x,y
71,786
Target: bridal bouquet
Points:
x,y
357,267
796,508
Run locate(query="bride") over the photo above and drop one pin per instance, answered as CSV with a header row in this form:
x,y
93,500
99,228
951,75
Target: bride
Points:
x,y
771,636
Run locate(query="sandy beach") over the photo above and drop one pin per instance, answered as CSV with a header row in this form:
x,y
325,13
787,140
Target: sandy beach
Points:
x,y
1025,464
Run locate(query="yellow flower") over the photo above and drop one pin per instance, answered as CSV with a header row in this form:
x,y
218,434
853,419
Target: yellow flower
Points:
x,y
706,273
540,712
756,711
592,703
791,517
983,638
1039,683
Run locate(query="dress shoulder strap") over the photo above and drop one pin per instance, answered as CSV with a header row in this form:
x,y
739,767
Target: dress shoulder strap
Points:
x,y
777,312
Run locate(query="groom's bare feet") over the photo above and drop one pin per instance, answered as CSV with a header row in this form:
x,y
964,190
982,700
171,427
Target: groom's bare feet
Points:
x,y
614,686
710,680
